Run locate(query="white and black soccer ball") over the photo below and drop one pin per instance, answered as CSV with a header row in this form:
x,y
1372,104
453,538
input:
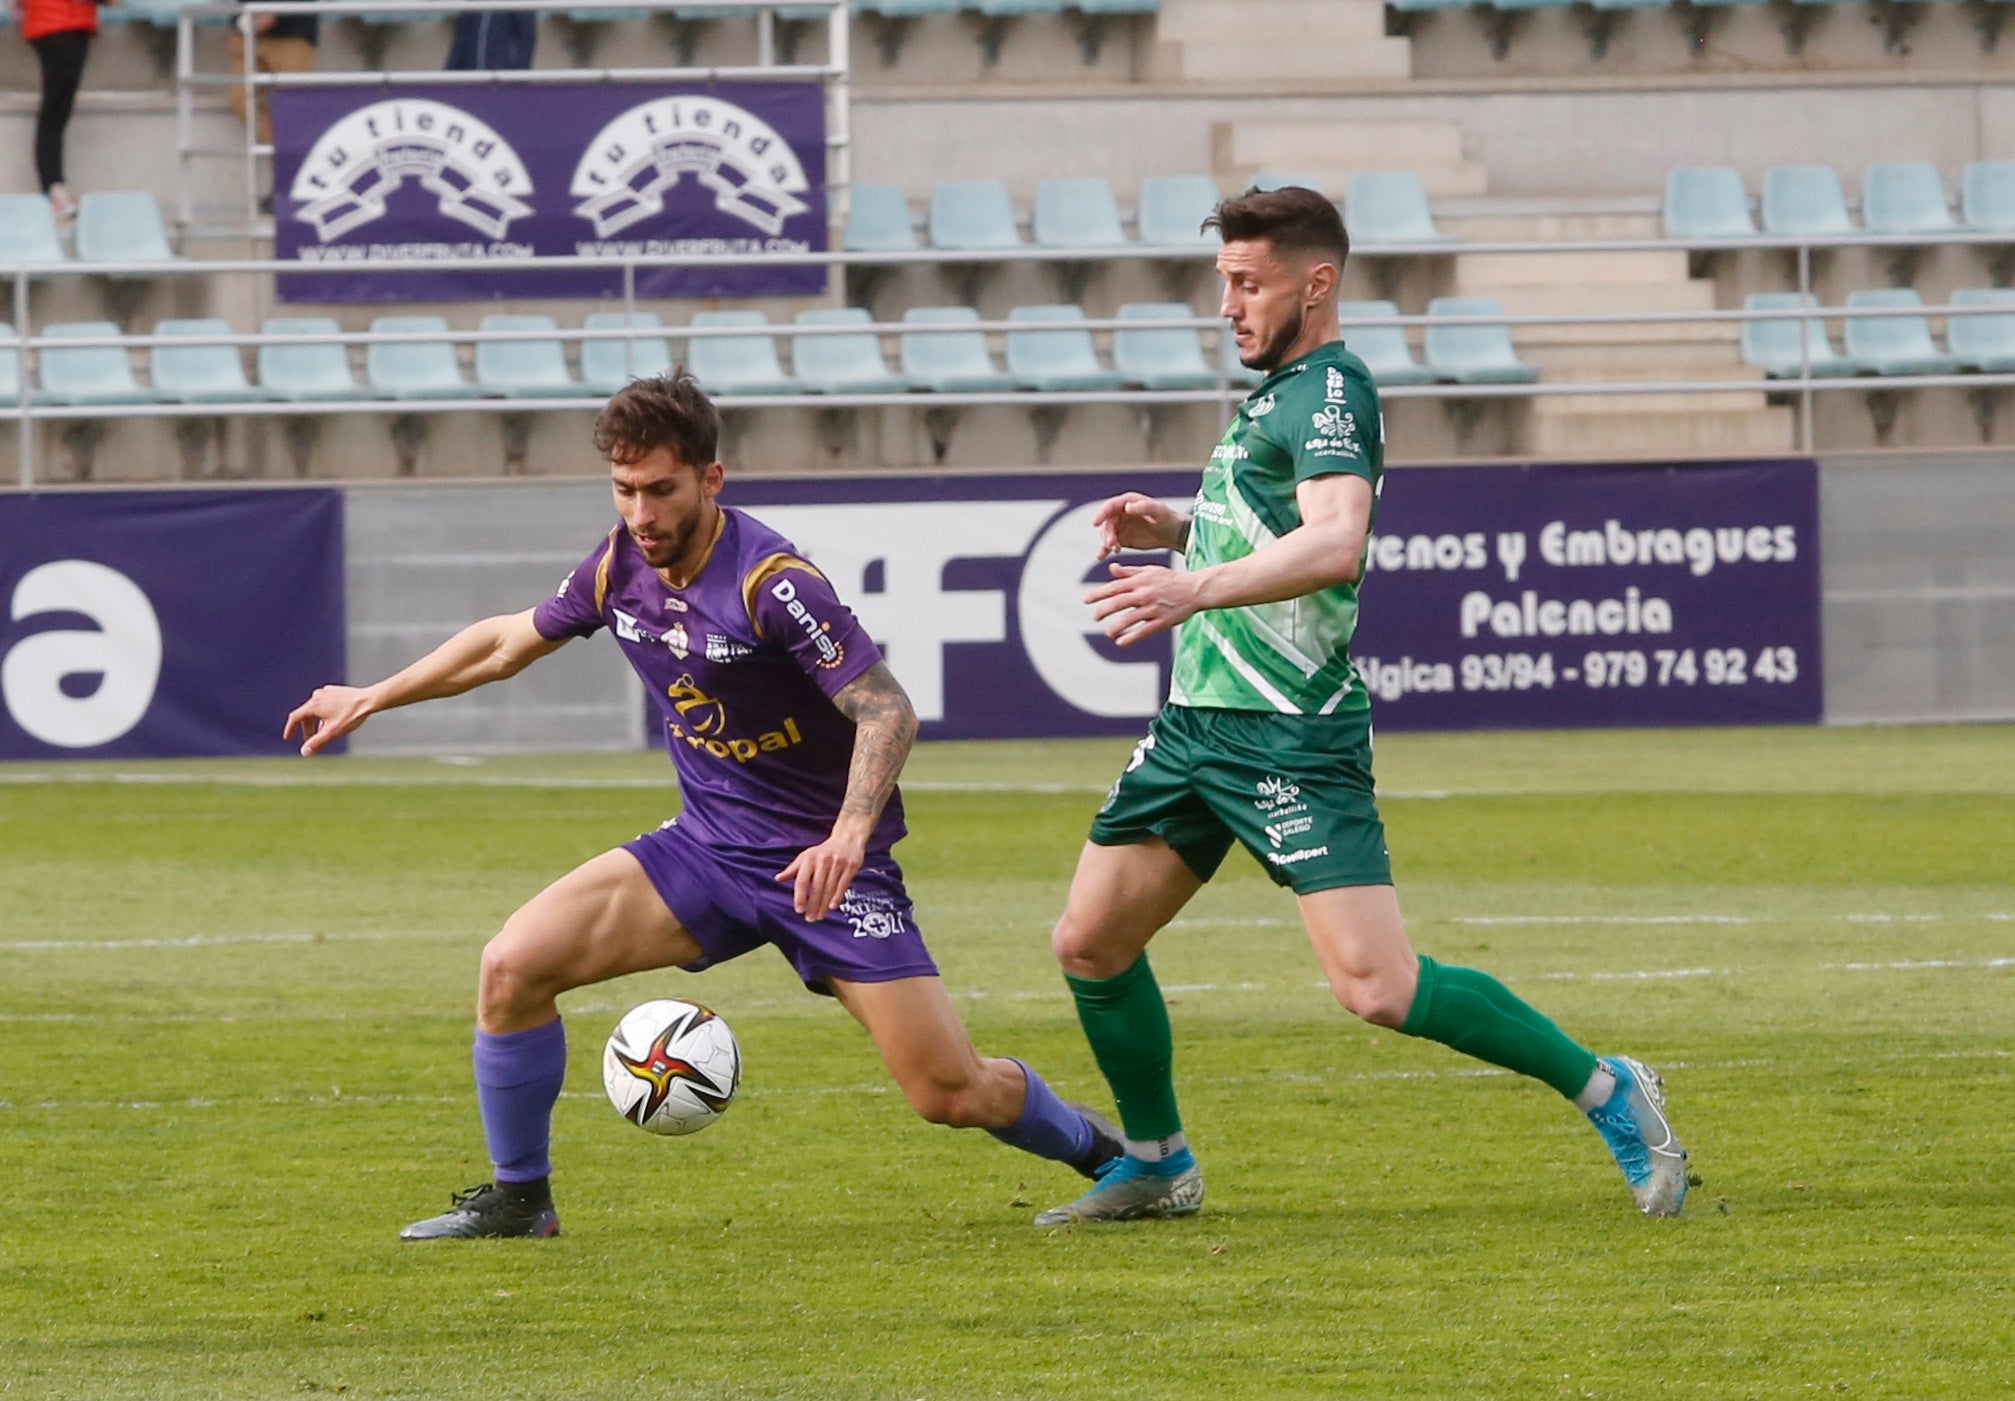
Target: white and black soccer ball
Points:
x,y
671,1067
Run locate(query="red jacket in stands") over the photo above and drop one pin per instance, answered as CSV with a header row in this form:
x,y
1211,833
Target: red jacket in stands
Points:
x,y
39,17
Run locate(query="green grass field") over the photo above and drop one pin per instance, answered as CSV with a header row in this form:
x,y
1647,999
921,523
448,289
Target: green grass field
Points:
x,y
235,1003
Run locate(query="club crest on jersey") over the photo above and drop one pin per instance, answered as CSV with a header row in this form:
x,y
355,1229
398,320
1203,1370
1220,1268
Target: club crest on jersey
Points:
x,y
1262,406
634,161
357,164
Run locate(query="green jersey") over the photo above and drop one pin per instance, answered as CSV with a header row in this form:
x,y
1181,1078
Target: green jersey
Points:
x,y
1314,416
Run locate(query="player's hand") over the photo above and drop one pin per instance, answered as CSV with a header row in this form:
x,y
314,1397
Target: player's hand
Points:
x,y
821,875
328,715
1131,521
1142,600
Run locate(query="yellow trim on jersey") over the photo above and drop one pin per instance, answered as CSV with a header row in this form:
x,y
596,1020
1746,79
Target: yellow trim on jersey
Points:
x,y
602,569
766,569
720,527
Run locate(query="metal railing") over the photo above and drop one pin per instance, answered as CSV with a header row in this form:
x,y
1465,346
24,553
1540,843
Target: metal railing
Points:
x,y
834,74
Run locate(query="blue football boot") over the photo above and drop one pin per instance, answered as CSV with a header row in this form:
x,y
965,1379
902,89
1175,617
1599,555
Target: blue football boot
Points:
x,y
1634,1125
1129,1189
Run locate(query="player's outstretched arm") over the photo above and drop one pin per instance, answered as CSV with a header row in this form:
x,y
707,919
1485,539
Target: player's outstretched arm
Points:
x,y
480,653
885,726
1132,521
1326,549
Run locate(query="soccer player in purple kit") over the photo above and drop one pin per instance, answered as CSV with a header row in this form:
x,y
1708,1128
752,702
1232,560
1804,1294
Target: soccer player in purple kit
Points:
x,y
788,732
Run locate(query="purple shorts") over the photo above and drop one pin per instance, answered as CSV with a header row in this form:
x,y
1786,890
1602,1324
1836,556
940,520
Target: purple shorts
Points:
x,y
730,901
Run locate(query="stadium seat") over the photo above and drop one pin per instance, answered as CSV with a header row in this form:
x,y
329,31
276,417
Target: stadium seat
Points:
x,y
306,373
1278,180
123,226
907,9
1173,208
1904,197
1077,212
1707,201
1984,343
950,361
415,369
972,214
162,14
1987,196
878,220
10,365
1804,199
1389,206
199,374
1772,346
524,369
1894,345
1168,357
28,231
1473,354
1382,348
843,364
608,365
1056,361
737,364
88,374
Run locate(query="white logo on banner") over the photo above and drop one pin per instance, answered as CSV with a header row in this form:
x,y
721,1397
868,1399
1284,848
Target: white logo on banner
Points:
x,y
635,159
123,652
357,164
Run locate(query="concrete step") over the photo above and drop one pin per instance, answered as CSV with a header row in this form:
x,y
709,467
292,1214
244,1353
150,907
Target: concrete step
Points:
x,y
1632,361
1613,405
1537,228
1622,297
1467,178
1284,145
1301,22
1659,434
1479,272
1247,60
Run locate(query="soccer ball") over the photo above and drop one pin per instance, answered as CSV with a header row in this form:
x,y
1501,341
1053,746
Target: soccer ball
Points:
x,y
671,1067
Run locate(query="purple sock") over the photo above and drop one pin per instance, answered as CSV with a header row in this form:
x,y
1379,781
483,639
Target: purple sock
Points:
x,y
518,1078
1048,1127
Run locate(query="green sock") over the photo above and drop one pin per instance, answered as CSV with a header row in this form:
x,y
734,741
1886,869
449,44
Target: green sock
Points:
x,y
1481,1017
1127,1024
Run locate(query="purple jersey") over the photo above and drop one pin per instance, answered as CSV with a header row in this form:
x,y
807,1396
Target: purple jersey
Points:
x,y
742,663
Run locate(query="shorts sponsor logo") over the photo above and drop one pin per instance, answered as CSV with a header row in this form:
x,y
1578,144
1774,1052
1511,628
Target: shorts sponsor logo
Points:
x,y
1287,829
1295,858
360,161
634,161
1278,795
831,653
872,916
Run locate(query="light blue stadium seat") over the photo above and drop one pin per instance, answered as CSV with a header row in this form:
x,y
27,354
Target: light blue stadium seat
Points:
x,y
415,369
1894,345
1707,201
199,374
524,369
1115,7
162,14
1531,4
906,9
122,226
951,360
1804,199
1987,196
1984,343
1389,206
390,15
1077,212
1414,7
878,220
603,14
306,373
10,365
1904,197
28,232
848,364
1173,208
1056,361
1161,358
1382,348
1772,346
608,365
1474,354
1016,7
737,364
1277,180
972,214
88,374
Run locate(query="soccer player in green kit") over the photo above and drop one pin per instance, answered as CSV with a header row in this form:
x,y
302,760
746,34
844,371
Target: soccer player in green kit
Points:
x,y
1266,740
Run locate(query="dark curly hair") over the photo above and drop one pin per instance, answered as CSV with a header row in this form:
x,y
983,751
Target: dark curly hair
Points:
x,y
664,411
1294,219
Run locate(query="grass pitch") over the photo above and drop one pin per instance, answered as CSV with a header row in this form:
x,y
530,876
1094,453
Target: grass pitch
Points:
x,y
235,1003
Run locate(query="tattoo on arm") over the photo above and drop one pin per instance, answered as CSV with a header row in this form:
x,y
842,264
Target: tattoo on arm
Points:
x,y
886,727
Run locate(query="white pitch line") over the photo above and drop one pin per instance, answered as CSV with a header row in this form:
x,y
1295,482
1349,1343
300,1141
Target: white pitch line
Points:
x,y
198,941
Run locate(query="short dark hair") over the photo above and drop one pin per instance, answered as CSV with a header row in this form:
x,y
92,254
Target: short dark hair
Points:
x,y
664,411
1293,218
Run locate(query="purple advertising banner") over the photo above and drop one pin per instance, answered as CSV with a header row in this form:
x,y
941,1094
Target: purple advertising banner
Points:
x,y
1498,597
165,623
421,172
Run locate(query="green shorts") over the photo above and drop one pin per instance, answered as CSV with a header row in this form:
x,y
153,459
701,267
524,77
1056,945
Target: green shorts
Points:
x,y
1294,790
